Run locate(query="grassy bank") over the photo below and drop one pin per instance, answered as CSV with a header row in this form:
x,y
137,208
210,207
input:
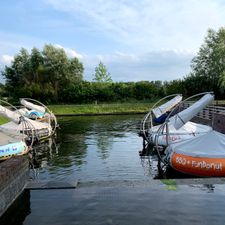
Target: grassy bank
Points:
x,y
101,108
3,120
96,109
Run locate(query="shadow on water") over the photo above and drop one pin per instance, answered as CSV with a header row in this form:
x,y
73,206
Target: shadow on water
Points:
x,y
18,211
154,168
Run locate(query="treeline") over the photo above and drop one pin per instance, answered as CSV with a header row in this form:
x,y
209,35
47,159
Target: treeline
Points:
x,y
51,77
88,92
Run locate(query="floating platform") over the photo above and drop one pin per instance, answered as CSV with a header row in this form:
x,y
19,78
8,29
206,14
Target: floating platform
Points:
x,y
43,185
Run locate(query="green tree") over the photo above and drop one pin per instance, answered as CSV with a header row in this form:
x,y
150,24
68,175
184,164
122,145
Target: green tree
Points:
x,y
174,86
101,74
208,67
42,75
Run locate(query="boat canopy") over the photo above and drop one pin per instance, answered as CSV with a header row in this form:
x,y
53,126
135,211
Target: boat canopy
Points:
x,y
33,106
209,145
158,111
12,115
186,115
32,124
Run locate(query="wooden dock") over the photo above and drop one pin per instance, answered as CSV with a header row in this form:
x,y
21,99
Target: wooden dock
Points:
x,y
43,185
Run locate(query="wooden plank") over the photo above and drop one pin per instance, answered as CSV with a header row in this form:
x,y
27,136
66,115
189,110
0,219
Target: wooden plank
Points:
x,y
43,185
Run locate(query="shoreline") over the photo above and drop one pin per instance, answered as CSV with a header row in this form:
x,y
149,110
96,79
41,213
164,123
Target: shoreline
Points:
x,y
100,114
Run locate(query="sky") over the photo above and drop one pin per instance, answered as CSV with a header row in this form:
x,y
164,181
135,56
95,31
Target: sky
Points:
x,y
136,40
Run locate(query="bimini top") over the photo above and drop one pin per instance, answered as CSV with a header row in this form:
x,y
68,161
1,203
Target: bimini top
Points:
x,y
209,145
158,111
186,115
33,106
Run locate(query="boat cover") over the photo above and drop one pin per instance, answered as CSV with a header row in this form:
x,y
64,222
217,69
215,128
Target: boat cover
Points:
x,y
188,131
23,111
167,106
7,137
211,144
12,115
189,127
186,115
35,125
30,105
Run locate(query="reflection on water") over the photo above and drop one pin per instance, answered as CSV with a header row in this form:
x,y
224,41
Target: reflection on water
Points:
x,y
117,185
97,148
92,149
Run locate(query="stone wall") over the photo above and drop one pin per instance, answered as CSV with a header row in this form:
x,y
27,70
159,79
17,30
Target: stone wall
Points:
x,y
13,178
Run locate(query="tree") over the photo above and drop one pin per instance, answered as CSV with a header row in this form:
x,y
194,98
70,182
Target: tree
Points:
x,y
208,67
174,87
101,74
42,75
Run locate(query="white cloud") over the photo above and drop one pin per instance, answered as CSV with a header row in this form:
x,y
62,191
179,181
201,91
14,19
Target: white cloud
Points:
x,y
154,65
6,59
136,40
148,25
70,52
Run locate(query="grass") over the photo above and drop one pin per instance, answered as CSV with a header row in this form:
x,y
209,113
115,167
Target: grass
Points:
x,y
101,108
3,120
134,107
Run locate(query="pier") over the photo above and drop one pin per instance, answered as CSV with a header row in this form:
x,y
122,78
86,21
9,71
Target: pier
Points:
x,y
13,179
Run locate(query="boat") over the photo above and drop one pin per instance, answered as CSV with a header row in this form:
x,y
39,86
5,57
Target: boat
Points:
x,y
12,144
201,156
18,122
36,110
179,127
158,113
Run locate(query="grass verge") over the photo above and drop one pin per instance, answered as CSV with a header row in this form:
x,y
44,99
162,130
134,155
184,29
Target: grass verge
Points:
x,y
101,108
3,120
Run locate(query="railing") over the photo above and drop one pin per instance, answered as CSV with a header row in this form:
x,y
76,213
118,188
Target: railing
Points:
x,y
208,111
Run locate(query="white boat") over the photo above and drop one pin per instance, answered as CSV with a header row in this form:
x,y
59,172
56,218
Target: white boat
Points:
x,y
12,144
19,123
158,113
162,109
201,156
189,130
179,127
36,110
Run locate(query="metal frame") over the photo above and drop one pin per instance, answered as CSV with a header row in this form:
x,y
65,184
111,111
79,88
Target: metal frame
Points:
x,y
149,117
26,125
165,124
52,116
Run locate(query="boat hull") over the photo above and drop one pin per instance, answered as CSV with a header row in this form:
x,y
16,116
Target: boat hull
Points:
x,y
12,149
198,166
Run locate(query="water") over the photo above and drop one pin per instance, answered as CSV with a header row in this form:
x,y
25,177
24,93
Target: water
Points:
x,y
116,185
94,149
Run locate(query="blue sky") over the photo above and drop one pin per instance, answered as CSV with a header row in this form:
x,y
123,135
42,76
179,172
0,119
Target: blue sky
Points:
x,y
136,40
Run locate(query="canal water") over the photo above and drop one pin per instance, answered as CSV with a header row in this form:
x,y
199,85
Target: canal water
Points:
x,y
116,185
95,148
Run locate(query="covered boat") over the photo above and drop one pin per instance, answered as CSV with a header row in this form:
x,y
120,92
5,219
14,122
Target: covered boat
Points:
x,y
12,144
32,128
201,156
163,109
159,112
178,127
189,130
36,110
